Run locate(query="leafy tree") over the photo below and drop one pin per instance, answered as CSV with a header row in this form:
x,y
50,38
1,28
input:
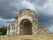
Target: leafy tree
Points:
x,y
3,30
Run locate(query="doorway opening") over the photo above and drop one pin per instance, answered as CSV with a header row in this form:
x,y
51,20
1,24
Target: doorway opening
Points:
x,y
26,27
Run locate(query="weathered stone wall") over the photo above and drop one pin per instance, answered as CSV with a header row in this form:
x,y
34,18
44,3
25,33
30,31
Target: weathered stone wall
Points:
x,y
19,28
27,37
26,14
43,30
11,29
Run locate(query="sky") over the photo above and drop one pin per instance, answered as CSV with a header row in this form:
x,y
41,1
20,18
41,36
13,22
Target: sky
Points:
x,y
9,9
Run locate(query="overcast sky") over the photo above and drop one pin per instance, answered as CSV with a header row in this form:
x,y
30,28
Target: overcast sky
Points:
x,y
9,9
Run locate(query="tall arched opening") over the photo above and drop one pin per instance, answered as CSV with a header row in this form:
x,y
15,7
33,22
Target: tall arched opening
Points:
x,y
26,27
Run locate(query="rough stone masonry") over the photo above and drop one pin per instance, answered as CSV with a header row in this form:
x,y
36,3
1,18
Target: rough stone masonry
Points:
x,y
26,24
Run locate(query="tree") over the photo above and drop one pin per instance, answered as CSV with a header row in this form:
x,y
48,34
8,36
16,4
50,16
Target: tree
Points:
x,y
3,30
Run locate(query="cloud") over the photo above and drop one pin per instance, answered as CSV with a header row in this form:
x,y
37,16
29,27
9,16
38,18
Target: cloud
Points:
x,y
47,8
29,5
50,29
5,22
6,10
9,9
38,2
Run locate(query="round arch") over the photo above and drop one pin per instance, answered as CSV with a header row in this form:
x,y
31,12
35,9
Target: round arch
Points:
x,y
26,27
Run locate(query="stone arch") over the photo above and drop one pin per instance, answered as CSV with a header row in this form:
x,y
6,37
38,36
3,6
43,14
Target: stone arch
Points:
x,y
26,27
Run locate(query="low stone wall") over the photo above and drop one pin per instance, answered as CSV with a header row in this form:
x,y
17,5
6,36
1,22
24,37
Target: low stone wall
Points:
x,y
27,37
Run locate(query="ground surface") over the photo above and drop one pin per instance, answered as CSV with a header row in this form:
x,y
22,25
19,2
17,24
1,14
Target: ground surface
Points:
x,y
27,37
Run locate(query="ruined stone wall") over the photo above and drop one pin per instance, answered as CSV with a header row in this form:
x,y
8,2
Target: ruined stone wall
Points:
x,y
27,12
43,30
11,29
26,15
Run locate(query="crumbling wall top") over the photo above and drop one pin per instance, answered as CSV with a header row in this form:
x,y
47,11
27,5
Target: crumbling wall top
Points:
x,y
26,12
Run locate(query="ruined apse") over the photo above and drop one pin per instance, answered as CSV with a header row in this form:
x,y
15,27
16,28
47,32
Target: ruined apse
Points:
x,y
26,24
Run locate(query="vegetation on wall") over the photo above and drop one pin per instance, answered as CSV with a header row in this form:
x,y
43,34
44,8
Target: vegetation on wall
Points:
x,y
16,17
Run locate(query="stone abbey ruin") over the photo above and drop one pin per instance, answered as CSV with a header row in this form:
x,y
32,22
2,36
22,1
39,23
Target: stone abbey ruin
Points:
x,y
26,24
